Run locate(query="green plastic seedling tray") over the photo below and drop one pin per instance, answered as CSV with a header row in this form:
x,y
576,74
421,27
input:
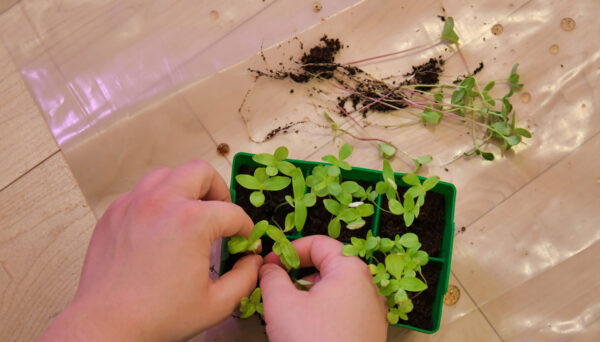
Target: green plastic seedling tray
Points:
x,y
444,258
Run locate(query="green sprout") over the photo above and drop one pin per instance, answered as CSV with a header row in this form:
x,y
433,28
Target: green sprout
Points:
x,y
396,275
239,244
300,202
260,182
448,32
352,214
283,248
252,304
339,163
275,162
321,183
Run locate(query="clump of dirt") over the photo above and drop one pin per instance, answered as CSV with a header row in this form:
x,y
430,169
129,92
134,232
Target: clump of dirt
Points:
x,y
427,73
223,149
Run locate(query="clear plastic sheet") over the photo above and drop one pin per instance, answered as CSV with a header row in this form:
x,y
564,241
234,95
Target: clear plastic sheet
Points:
x,y
127,86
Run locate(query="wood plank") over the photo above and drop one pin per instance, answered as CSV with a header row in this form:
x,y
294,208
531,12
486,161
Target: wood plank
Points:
x,y
45,226
26,140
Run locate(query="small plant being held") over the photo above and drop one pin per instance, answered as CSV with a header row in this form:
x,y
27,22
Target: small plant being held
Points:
x,y
261,182
300,202
397,275
283,248
252,304
239,244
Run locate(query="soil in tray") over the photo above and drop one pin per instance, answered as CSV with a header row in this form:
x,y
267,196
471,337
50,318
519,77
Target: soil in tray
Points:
x,y
267,210
429,226
420,317
318,219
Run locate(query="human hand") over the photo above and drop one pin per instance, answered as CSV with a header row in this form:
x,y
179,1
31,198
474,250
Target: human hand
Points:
x,y
146,273
342,305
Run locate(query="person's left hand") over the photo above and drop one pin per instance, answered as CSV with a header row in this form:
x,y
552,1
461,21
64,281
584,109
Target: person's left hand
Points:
x,y
146,273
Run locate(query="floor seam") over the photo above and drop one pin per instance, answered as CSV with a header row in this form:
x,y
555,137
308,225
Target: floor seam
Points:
x,y
29,170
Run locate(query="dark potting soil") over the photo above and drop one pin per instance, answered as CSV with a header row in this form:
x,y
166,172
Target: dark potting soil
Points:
x,y
318,219
429,226
267,210
421,315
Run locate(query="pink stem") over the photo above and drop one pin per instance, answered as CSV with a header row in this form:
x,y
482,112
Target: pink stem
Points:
x,y
392,54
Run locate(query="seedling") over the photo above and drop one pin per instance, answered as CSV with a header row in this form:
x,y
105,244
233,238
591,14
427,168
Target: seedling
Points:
x,y
252,304
299,202
283,248
239,244
275,162
339,163
352,214
396,275
260,182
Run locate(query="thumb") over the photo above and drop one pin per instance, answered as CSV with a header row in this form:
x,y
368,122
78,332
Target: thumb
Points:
x,y
227,291
277,288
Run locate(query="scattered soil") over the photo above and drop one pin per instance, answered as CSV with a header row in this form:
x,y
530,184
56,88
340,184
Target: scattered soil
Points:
x,y
317,7
475,72
497,29
452,295
568,24
223,149
420,317
429,226
272,200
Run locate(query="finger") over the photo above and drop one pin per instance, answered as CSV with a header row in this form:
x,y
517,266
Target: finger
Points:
x,y
275,284
151,180
227,291
197,180
319,251
219,219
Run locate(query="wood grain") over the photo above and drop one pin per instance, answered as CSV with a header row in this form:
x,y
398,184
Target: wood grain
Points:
x,y
45,226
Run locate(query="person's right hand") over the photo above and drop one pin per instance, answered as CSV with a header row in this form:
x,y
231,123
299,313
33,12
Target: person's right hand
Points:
x,y
342,305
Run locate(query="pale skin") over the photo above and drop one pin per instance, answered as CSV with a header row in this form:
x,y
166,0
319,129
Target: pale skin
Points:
x,y
146,272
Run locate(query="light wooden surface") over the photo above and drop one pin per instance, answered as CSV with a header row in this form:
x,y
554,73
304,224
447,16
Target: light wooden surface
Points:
x,y
533,216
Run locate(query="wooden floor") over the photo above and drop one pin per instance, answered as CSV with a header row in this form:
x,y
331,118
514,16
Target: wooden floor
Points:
x,y
539,231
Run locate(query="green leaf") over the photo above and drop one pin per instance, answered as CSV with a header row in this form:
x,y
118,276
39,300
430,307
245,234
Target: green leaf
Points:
x,y
386,150
388,172
248,182
410,240
281,153
381,187
349,186
333,170
394,265
256,295
300,216
290,256
258,230
348,215
289,222
257,198
392,317
310,199
372,196
457,96
400,296
276,183
411,179
334,189
422,257
396,207
431,116
330,159
421,161
275,234
298,184
286,167
412,284
513,140
345,151
439,97
371,242
356,224
237,244
409,218
386,245
448,31
344,166
365,210
344,198
333,228
271,170
523,132
349,250
487,155
264,159
290,200
489,86
430,183
247,308
332,206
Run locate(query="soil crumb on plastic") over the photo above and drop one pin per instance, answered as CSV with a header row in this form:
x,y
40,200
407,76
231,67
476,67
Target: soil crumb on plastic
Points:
x,y
452,295
567,24
223,149
554,49
317,7
497,29
525,97
214,15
